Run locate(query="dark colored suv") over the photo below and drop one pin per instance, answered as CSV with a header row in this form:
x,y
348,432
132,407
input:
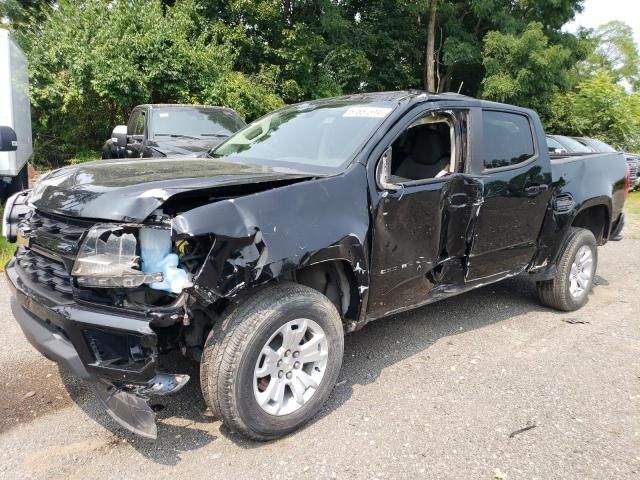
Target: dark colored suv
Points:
x,y
164,130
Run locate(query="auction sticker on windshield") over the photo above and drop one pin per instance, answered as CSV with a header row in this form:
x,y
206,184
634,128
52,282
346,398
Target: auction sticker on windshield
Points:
x,y
367,112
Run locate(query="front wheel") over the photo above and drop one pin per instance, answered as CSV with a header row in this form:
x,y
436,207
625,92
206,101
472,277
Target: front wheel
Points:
x,y
576,269
274,361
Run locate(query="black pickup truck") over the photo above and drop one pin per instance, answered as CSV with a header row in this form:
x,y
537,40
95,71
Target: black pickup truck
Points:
x,y
171,130
308,223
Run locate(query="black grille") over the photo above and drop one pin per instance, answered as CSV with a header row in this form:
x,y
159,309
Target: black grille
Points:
x,y
53,244
47,273
56,235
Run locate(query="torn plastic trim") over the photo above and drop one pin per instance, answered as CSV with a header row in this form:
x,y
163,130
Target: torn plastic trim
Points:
x,y
131,409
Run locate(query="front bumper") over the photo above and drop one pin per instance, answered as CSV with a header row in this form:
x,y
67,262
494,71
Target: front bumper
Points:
x,y
115,354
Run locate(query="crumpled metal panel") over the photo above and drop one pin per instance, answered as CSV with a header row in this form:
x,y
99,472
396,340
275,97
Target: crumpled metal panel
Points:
x,y
260,236
129,190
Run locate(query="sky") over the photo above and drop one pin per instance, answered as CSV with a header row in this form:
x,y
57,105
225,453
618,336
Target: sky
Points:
x,y
597,12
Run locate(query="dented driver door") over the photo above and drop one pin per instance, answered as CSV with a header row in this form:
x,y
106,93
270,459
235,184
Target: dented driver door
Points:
x,y
421,241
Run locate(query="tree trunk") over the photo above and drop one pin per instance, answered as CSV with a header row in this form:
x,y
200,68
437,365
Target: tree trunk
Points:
x,y
445,81
286,10
429,57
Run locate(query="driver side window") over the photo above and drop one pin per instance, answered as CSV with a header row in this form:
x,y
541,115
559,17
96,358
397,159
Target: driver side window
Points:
x,y
425,150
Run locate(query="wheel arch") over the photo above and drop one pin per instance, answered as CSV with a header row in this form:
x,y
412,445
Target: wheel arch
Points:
x,y
337,279
595,216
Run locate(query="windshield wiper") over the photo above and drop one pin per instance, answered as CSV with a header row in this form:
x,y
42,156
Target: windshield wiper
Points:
x,y
175,135
214,134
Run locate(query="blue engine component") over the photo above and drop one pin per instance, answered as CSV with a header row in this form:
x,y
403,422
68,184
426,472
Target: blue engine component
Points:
x,y
155,250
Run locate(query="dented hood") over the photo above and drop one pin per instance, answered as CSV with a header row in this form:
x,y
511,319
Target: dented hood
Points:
x,y
131,189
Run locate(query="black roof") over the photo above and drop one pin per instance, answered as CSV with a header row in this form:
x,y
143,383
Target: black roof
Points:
x,y
408,97
182,105
399,96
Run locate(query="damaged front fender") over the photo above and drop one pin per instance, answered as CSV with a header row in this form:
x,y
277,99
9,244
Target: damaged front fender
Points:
x,y
261,236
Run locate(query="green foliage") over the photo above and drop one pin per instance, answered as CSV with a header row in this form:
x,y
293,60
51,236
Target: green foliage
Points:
x,y
601,108
616,52
525,69
249,96
91,65
93,60
6,252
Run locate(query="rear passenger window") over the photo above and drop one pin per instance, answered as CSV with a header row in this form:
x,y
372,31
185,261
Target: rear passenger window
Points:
x,y
507,139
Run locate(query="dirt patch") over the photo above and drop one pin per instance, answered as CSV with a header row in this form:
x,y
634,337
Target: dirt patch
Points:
x,y
30,391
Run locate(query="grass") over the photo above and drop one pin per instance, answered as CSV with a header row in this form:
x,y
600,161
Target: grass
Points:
x,y
632,205
632,211
6,252
6,249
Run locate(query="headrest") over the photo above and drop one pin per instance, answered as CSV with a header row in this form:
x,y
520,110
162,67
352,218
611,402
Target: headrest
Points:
x,y
428,148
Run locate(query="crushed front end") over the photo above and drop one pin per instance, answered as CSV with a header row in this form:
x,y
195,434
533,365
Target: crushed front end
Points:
x,y
84,298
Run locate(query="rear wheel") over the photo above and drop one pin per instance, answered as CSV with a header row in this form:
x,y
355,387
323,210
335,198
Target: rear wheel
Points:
x,y
576,269
274,361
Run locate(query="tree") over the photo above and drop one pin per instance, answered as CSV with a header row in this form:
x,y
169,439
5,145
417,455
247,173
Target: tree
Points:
x,y
600,108
90,64
525,69
430,59
615,51
462,26
20,14
93,60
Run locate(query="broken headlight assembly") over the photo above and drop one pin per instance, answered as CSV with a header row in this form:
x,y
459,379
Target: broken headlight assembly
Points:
x,y
129,257
108,259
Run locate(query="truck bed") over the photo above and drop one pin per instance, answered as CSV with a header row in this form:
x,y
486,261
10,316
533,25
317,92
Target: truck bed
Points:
x,y
590,178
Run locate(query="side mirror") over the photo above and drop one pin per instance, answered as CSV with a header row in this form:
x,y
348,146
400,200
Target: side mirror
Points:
x,y
8,139
383,172
119,136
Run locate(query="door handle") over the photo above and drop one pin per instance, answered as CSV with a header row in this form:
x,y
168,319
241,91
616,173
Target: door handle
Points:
x,y
534,190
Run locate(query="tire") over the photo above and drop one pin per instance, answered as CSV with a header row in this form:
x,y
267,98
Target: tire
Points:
x,y
232,352
106,151
557,292
20,182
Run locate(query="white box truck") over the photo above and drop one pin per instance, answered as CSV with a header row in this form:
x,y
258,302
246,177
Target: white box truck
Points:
x,y
15,113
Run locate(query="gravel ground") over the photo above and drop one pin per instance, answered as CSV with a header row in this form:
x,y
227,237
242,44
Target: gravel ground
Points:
x,y
486,385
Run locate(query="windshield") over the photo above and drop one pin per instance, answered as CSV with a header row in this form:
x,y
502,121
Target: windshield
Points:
x,y
195,122
602,147
322,135
573,145
555,146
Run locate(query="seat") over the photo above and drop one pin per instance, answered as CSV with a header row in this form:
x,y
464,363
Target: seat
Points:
x,y
427,157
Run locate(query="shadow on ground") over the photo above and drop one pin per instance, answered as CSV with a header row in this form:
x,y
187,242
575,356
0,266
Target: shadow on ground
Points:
x,y
184,424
